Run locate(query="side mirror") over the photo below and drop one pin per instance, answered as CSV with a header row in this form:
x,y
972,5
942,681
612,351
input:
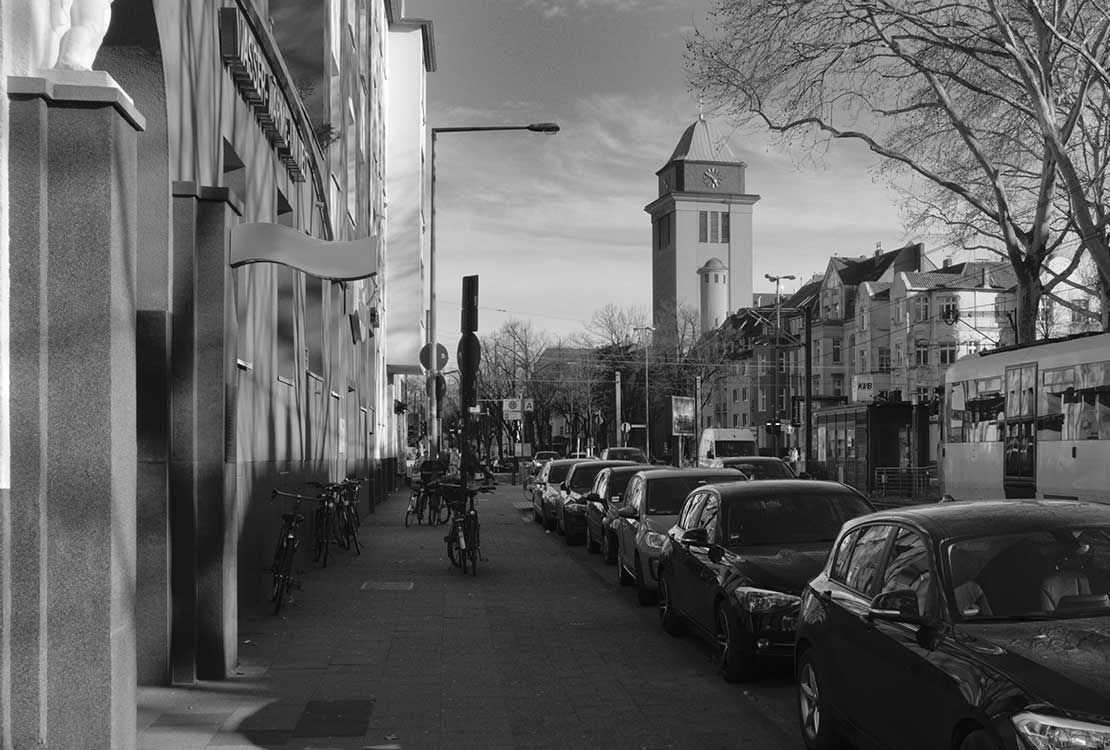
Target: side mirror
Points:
x,y
695,538
627,512
896,606
592,497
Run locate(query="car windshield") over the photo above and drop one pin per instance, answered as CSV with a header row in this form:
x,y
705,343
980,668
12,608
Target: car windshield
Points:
x,y
630,454
618,483
731,448
1049,574
763,469
558,473
544,456
666,495
789,518
583,477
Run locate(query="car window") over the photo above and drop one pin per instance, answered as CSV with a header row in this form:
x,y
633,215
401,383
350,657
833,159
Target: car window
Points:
x,y
543,473
789,517
583,477
763,469
601,483
867,556
666,495
557,472
708,518
632,495
691,510
909,567
842,555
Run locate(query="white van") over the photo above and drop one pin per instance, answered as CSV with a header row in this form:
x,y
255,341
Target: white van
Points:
x,y
720,442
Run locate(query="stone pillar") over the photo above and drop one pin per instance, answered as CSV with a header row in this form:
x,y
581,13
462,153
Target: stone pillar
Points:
x,y
72,169
204,533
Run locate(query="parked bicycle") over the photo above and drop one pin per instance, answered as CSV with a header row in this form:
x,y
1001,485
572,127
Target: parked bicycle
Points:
x,y
463,540
418,501
288,541
338,519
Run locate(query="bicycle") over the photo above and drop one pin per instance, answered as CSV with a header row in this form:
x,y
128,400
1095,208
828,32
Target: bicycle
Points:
x,y
417,503
438,512
344,507
463,541
286,549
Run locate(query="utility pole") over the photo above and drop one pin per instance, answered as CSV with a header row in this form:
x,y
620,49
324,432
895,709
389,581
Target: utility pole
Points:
x,y
776,427
617,400
697,416
809,388
647,394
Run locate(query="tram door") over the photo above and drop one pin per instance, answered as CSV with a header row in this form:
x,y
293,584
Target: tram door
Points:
x,y
1020,438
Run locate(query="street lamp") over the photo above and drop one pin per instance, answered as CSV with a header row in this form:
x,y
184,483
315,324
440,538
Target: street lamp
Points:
x,y
775,368
647,400
434,422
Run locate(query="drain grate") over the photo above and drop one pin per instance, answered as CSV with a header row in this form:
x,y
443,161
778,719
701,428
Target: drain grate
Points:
x,y
334,719
386,586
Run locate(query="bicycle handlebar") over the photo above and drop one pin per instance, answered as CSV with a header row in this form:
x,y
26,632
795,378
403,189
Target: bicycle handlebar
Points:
x,y
294,495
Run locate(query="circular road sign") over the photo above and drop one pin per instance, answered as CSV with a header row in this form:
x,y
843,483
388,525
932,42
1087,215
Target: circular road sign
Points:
x,y
625,427
426,356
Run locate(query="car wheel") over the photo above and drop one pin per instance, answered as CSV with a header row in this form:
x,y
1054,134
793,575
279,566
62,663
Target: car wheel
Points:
x,y
980,739
644,595
735,647
816,720
670,619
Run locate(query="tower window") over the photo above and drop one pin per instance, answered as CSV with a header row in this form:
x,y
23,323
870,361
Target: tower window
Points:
x,y
713,226
703,226
724,228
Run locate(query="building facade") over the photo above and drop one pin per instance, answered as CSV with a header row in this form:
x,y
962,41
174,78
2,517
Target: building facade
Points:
x,y
213,367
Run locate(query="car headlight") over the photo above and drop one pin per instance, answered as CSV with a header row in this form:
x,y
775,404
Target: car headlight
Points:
x,y
1055,733
758,600
655,540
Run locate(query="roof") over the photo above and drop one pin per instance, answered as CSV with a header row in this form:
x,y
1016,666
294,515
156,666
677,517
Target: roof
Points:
x,y
855,271
971,275
713,264
702,142
996,517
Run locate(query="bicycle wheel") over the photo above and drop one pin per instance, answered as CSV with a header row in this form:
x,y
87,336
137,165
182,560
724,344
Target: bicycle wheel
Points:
x,y
473,554
352,533
410,511
323,536
283,573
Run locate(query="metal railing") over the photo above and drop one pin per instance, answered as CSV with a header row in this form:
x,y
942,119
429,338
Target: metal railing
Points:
x,y
915,482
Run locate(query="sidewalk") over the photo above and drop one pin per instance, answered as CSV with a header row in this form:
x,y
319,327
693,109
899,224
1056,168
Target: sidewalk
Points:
x,y
358,660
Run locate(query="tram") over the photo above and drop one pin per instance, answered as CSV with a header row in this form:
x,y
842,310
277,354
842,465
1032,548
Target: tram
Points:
x,y
1029,422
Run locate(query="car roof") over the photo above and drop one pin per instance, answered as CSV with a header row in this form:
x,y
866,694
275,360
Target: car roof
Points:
x,y
700,472
605,463
753,459
787,487
994,517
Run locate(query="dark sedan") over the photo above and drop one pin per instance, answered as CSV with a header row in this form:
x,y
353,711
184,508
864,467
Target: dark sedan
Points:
x,y
547,490
735,563
602,502
760,467
571,513
973,626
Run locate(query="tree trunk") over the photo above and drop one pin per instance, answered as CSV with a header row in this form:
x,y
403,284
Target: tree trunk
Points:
x,y
1029,290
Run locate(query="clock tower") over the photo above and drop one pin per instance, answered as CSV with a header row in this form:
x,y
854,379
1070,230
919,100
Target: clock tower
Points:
x,y
703,213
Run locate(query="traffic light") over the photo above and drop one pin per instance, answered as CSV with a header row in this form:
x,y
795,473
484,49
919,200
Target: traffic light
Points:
x,y
470,304
773,427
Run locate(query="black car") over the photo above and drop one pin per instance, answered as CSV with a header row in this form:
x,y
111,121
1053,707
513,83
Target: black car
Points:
x,y
761,467
547,490
735,563
602,502
967,625
571,514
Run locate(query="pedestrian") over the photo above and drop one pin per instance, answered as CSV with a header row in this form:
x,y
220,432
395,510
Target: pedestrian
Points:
x,y
792,457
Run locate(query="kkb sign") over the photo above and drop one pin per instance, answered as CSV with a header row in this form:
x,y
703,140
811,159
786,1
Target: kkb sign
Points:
x,y
864,389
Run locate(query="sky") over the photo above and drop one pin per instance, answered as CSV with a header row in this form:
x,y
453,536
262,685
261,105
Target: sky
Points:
x,y
554,225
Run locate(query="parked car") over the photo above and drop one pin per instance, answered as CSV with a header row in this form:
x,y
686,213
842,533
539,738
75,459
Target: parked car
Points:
x,y
547,490
581,455
625,453
735,563
505,464
602,502
652,501
969,625
760,467
539,458
571,511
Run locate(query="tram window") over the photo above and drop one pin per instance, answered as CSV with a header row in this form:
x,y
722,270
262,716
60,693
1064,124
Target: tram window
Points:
x,y
1019,391
956,412
985,408
1055,385
1091,405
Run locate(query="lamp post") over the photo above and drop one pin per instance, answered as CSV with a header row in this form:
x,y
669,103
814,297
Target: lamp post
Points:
x,y
435,423
775,367
647,399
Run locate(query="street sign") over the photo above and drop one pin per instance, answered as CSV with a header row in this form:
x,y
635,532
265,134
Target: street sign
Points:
x,y
529,406
426,356
510,409
625,427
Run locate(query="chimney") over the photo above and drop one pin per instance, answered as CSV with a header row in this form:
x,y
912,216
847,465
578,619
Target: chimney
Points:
x,y
947,262
878,249
986,278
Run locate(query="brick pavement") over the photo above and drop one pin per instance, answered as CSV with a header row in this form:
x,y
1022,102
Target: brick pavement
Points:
x,y
397,649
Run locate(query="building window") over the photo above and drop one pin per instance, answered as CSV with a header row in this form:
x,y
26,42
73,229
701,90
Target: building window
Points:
x,y
884,359
762,364
744,393
743,420
724,228
735,419
836,350
947,352
862,360
898,361
837,384
713,226
973,346
950,308
1084,304
921,308
716,278
734,395
703,226
921,353
762,399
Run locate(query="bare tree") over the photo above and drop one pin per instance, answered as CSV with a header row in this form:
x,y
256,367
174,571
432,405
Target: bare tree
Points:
x,y
940,89
615,326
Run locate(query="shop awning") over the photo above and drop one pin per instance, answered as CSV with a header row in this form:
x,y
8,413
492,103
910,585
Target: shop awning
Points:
x,y
275,243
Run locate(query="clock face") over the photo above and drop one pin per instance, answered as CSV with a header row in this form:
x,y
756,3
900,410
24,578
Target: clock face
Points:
x,y
711,177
